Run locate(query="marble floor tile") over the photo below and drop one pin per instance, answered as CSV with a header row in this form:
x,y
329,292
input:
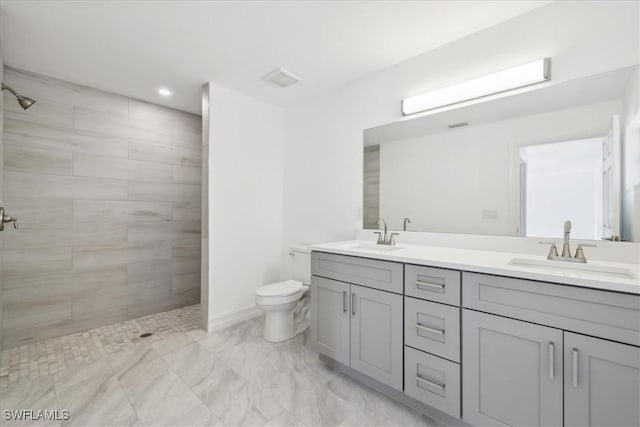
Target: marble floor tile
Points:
x,y
97,402
285,419
215,341
309,399
164,400
187,377
171,343
86,371
38,394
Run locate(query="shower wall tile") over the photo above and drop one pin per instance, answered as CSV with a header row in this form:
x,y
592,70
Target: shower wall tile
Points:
x,y
161,116
155,191
151,231
186,247
41,211
165,153
48,112
186,211
158,269
94,278
38,135
126,211
32,185
187,174
107,190
123,253
25,159
34,236
112,167
46,88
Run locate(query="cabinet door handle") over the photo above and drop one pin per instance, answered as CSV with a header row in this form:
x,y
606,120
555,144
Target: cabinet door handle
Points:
x,y
551,360
422,284
428,329
353,304
344,301
575,367
429,383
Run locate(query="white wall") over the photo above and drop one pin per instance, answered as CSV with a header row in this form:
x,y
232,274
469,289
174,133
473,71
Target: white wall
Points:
x,y
245,201
631,159
323,180
455,181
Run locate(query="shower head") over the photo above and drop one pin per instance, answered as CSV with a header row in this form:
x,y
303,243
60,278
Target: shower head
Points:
x,y
25,102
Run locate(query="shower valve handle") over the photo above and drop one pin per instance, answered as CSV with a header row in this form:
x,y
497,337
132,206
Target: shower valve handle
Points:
x,y
4,219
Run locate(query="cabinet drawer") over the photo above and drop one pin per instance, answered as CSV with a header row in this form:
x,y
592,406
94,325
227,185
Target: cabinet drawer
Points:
x,y
433,284
432,381
432,327
610,315
383,275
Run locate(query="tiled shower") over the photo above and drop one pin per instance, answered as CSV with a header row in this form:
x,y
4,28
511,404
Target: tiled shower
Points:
x,y
107,192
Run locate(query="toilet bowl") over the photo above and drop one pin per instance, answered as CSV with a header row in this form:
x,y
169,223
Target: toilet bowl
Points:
x,y
279,300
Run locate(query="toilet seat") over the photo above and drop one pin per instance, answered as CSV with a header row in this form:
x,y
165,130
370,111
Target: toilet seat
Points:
x,y
280,289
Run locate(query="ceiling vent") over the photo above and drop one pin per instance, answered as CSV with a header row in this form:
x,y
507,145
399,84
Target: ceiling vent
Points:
x,y
283,78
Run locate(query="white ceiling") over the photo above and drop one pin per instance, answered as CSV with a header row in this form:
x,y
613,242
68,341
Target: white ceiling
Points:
x,y
134,47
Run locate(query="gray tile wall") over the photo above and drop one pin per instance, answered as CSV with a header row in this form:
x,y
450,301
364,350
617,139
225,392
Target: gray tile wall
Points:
x,y
1,180
371,187
107,190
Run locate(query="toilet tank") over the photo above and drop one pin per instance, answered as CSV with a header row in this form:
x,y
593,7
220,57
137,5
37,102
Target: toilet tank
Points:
x,y
300,258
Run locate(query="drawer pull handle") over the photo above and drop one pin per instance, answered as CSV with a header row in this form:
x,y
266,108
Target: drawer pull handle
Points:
x,y
421,285
428,329
344,301
551,360
575,368
353,304
429,383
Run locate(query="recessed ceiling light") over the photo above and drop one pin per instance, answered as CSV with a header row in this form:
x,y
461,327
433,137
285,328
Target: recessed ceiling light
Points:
x,y
163,91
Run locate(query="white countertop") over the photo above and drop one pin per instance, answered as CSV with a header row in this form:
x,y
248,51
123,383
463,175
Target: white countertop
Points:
x,y
490,262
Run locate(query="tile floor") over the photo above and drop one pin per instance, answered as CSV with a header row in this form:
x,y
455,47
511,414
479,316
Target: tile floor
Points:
x,y
183,376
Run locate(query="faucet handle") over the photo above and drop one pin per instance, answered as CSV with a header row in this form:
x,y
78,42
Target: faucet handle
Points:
x,y
580,253
553,250
392,241
379,237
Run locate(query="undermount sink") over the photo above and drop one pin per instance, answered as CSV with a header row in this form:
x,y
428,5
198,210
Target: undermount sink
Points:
x,y
568,267
376,247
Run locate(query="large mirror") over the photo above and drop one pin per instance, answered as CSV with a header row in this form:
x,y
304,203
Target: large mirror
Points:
x,y
519,165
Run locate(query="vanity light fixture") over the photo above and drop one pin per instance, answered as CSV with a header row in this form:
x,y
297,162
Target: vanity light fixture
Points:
x,y
514,78
163,91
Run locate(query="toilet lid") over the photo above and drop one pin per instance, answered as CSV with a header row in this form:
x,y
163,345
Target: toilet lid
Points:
x,y
279,289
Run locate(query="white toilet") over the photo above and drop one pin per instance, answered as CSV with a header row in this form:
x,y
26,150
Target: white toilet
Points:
x,y
279,300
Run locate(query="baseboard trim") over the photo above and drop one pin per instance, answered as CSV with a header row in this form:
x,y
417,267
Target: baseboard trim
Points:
x,y
231,318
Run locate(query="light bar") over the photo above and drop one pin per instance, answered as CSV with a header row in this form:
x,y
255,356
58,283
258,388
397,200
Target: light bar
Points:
x,y
503,81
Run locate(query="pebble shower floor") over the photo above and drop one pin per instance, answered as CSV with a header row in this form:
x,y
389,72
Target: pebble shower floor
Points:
x,y
47,357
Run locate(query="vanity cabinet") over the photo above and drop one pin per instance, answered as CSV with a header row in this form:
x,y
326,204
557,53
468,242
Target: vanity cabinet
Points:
x,y
602,382
330,318
492,350
376,335
358,326
512,372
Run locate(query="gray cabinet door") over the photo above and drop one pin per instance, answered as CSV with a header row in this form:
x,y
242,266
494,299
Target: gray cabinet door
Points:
x,y
512,372
602,382
376,335
330,318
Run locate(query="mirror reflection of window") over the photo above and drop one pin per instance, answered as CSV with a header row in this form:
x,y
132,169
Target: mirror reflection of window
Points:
x,y
562,181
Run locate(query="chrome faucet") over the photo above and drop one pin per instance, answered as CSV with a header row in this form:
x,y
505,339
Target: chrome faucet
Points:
x,y
566,248
405,221
387,238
